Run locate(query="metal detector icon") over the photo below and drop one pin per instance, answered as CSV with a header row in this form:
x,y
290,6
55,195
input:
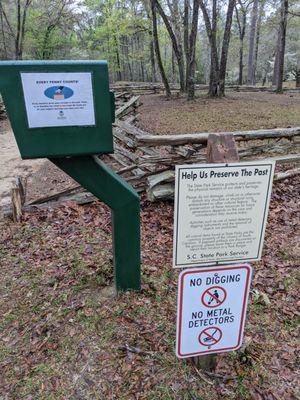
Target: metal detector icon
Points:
x,y
210,336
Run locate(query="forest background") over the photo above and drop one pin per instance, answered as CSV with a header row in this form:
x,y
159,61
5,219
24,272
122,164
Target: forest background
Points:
x,y
181,42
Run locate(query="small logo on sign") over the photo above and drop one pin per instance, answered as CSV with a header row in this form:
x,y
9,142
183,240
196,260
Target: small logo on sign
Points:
x,y
61,115
58,92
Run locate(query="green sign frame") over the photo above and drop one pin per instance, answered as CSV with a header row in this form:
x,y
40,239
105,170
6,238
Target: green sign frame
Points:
x,y
73,149
58,141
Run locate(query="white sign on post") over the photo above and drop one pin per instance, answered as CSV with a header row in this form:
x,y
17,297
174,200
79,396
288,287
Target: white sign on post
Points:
x,y
221,212
58,99
211,312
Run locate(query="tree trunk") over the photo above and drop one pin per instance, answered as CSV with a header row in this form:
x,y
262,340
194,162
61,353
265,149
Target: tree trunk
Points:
x,y
173,67
241,62
152,57
214,79
175,44
119,72
157,50
177,24
276,61
192,52
225,46
250,72
265,74
242,29
186,21
241,51
298,73
129,75
283,24
2,32
23,28
261,12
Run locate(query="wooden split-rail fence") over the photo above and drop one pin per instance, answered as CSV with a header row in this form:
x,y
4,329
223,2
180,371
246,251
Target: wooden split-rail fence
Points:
x,y
147,161
140,88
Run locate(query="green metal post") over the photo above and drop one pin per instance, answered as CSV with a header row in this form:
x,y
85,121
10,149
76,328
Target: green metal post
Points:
x,y
105,184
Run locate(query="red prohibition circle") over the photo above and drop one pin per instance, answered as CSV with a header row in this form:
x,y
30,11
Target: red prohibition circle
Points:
x,y
209,339
209,293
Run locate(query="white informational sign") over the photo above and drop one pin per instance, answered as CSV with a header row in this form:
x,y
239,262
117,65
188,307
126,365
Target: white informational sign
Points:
x,y
221,212
211,312
58,99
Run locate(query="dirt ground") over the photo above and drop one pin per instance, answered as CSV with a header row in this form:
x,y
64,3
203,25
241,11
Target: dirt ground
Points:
x,y
237,111
11,164
43,178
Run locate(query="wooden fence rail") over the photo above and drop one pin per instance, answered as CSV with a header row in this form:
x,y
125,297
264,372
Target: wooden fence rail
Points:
x,y
157,87
147,161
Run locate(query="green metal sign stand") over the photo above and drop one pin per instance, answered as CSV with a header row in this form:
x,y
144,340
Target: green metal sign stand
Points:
x,y
63,110
105,184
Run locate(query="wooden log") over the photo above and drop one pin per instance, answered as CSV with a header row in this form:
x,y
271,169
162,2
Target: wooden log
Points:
x,y
169,159
121,95
280,148
55,196
147,87
120,112
119,159
161,192
120,135
185,151
158,191
126,169
245,153
131,119
124,154
18,194
286,159
201,138
130,129
280,176
165,176
16,204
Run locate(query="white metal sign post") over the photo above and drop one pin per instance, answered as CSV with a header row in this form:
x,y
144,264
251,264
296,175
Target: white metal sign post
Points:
x,y
211,312
221,212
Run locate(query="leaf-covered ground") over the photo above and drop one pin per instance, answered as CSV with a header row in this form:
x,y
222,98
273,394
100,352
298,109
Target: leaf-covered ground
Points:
x,y
63,335
235,112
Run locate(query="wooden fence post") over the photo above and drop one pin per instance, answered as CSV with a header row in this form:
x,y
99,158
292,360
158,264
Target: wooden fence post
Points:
x,y
221,148
18,194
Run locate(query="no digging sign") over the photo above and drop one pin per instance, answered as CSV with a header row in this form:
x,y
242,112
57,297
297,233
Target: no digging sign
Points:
x,y
212,304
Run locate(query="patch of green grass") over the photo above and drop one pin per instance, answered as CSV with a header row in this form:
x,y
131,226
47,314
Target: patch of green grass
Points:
x,y
162,393
290,282
291,323
242,390
33,383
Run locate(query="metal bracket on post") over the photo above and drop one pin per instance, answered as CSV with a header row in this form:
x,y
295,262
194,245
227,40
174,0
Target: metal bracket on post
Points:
x,y
124,202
